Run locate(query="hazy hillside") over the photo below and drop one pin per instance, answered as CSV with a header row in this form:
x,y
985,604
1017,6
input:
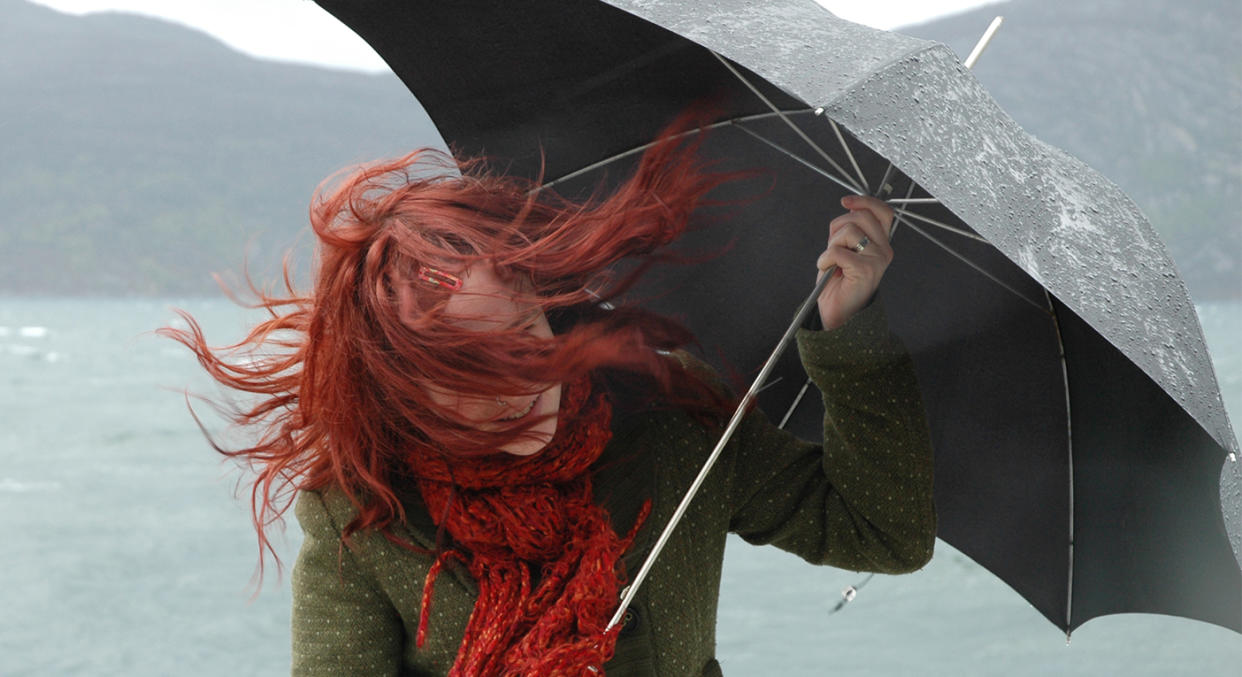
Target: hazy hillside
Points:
x,y
1147,91
137,156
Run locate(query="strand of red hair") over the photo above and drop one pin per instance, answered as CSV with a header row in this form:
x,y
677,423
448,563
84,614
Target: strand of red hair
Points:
x,y
337,377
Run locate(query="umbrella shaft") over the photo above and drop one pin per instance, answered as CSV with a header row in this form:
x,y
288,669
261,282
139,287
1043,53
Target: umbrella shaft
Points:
x,y
631,590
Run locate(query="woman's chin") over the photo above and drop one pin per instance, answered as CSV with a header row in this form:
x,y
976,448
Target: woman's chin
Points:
x,y
533,441
537,438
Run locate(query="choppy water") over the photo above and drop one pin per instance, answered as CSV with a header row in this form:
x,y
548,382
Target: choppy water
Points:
x,y
124,551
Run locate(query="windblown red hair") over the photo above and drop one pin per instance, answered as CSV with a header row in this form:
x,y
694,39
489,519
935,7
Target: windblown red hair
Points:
x,y
340,374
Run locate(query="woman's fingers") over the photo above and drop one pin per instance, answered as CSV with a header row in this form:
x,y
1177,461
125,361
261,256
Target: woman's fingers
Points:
x,y
842,247
875,206
872,217
859,248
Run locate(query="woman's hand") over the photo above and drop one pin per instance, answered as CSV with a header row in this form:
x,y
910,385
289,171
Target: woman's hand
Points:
x,y
858,247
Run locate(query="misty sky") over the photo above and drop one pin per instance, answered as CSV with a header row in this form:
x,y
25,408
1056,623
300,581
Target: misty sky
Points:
x,y
298,30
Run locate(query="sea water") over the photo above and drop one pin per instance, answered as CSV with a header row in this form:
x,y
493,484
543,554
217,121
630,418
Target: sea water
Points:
x,y
126,547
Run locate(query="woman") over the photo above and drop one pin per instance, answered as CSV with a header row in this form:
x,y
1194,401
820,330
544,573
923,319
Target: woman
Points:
x,y
481,454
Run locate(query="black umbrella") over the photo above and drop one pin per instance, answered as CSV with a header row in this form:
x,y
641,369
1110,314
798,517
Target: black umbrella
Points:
x,y
1079,430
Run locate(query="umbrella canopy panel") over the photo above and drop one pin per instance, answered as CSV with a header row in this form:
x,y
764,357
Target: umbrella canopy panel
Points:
x,y
1074,410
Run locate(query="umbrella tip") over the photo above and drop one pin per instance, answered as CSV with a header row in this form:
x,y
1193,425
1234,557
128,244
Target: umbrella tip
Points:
x,y
1233,458
983,42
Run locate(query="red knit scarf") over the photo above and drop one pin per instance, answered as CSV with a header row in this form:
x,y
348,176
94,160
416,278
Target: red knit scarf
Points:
x,y
509,516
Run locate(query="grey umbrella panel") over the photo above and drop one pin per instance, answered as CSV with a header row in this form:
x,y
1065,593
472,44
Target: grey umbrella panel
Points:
x,y
787,43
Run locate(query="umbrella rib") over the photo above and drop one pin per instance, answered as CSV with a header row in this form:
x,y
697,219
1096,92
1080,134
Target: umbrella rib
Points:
x,y
803,161
981,271
640,148
1069,436
797,130
913,201
940,224
836,129
794,405
897,217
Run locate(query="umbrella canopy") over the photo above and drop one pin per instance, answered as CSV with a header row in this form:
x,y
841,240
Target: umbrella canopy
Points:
x,y
1079,430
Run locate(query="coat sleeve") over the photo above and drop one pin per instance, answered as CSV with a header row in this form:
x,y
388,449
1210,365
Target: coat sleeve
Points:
x,y
343,624
863,500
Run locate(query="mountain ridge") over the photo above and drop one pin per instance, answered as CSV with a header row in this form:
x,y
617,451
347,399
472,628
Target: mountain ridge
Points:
x,y
141,156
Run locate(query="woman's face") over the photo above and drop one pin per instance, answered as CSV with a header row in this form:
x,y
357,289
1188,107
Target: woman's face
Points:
x,y
485,302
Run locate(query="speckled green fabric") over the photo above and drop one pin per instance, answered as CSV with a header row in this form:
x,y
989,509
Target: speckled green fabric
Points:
x,y
863,502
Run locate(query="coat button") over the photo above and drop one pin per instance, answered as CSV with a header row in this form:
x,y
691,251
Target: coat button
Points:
x,y
630,622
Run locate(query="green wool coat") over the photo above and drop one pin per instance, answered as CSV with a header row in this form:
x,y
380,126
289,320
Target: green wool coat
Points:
x,y
863,502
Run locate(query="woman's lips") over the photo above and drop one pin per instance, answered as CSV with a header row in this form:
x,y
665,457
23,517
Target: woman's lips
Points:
x,y
518,415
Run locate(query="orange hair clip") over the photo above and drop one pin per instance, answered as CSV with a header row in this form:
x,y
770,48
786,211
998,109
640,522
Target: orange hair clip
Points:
x,y
438,278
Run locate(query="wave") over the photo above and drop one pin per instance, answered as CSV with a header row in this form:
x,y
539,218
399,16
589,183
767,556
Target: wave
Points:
x,y
12,486
32,352
28,331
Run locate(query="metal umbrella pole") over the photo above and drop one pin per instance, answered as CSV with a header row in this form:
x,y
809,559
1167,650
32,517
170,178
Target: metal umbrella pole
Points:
x,y
627,595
